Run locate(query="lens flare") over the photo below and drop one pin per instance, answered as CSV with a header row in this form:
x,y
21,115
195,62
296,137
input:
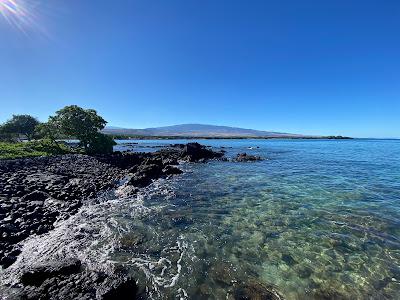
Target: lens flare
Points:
x,y
20,14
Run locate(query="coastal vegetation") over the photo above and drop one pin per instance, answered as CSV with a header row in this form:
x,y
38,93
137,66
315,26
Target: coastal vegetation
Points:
x,y
25,136
43,147
17,126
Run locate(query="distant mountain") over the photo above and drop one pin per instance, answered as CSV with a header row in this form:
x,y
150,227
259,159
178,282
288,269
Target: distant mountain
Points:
x,y
197,130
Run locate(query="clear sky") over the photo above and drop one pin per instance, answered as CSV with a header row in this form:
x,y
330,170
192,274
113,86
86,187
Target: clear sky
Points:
x,y
311,67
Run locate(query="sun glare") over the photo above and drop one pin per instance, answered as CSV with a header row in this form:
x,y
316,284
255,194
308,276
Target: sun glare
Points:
x,y
20,14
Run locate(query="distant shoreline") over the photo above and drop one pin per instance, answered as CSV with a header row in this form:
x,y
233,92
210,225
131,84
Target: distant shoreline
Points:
x,y
141,137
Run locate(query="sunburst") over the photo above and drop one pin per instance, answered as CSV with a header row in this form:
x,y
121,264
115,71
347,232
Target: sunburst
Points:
x,y
21,14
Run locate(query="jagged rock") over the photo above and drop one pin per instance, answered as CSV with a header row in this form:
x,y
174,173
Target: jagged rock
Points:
x,y
7,260
124,289
139,180
170,161
171,170
150,170
38,275
145,174
243,157
194,151
36,196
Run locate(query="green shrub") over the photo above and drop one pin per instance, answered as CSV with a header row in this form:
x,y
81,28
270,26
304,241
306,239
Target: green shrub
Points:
x,y
101,144
31,149
18,150
50,147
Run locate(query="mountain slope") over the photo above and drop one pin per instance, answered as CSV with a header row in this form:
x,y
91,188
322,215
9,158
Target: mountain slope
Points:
x,y
197,130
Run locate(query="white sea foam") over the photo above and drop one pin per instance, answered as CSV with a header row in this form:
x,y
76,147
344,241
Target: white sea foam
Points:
x,y
93,235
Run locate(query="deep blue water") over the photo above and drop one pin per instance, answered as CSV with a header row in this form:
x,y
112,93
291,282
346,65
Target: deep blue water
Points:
x,y
316,218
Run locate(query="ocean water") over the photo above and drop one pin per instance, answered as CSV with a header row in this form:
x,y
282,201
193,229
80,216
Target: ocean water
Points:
x,y
316,219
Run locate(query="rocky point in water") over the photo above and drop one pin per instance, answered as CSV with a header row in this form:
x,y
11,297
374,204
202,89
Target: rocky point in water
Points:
x,y
242,157
37,192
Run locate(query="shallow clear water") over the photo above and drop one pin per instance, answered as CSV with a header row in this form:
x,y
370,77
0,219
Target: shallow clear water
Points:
x,y
316,219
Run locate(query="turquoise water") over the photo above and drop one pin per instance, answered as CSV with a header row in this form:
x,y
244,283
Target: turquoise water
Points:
x,y
316,219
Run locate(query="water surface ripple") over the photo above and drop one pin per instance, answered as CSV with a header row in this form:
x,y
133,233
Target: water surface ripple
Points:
x,y
316,219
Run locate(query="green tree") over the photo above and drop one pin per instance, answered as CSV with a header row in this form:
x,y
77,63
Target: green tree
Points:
x,y
48,130
85,125
5,136
101,144
20,125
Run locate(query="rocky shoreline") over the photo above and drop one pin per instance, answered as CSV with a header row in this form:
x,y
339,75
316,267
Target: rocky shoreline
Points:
x,y
37,192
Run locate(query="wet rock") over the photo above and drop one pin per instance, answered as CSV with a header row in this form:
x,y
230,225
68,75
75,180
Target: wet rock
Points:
x,y
255,290
288,259
223,273
7,260
127,190
244,157
37,196
124,289
150,170
180,219
170,161
304,271
38,275
194,151
139,180
131,240
171,170
133,169
73,281
328,293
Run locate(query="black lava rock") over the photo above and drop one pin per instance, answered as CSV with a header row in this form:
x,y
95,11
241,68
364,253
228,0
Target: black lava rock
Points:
x,y
243,157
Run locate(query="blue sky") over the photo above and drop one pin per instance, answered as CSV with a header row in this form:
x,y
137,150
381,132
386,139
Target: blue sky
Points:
x,y
311,67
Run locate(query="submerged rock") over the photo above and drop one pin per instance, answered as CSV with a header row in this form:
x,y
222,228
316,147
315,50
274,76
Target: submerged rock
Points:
x,y
243,157
223,274
255,290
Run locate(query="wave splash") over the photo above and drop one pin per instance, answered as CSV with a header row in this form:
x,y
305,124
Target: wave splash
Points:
x,y
108,234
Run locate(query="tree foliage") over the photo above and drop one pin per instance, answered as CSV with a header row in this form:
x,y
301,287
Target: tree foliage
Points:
x,y
101,144
69,122
20,125
83,124
48,131
5,136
